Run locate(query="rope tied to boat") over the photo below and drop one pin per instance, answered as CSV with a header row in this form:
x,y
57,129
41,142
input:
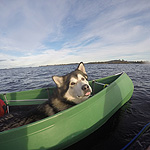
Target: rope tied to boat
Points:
x,y
99,83
106,85
144,129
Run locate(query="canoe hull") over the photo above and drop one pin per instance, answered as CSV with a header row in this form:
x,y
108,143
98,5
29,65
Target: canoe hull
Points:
x,y
71,125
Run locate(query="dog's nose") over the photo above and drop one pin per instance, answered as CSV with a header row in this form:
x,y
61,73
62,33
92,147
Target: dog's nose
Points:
x,y
85,87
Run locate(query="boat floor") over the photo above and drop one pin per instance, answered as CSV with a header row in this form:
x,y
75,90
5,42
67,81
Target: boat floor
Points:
x,y
21,110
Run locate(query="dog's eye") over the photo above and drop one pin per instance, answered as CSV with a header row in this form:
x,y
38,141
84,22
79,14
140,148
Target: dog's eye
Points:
x,y
82,79
72,83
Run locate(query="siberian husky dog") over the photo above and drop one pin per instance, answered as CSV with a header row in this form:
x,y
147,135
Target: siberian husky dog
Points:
x,y
71,89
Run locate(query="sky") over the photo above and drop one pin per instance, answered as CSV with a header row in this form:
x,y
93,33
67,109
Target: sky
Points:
x,y
47,32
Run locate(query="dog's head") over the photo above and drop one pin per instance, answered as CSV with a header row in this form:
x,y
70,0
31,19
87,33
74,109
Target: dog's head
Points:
x,y
74,86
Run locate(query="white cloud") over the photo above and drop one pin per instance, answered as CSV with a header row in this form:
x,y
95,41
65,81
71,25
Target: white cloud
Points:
x,y
25,24
85,30
120,32
94,52
48,57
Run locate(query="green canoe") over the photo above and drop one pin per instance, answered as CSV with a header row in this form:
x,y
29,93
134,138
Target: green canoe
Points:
x,y
69,126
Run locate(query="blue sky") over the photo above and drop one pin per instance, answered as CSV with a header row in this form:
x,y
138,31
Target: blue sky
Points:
x,y
44,32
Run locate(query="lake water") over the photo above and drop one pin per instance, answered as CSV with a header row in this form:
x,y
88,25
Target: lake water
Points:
x,y
122,127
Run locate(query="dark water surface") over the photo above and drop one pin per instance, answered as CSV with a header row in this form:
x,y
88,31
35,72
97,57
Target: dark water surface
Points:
x,y
122,127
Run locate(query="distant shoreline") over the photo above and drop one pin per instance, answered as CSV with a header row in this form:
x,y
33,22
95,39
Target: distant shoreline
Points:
x,y
105,62
120,62
94,62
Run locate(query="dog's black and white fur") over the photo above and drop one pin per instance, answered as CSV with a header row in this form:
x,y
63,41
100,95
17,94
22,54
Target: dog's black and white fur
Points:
x,y
72,89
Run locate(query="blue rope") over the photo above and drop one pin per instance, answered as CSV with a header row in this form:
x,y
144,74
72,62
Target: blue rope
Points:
x,y
137,136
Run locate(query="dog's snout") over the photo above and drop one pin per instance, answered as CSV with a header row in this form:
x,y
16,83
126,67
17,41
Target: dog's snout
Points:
x,y
85,87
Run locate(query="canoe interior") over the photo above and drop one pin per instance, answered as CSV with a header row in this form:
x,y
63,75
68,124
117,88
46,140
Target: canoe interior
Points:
x,y
38,96
74,124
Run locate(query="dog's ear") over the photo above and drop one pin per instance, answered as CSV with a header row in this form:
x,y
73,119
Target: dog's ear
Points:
x,y
81,67
58,80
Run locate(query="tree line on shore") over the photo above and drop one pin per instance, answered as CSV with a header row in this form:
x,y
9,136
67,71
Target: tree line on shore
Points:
x,y
120,62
